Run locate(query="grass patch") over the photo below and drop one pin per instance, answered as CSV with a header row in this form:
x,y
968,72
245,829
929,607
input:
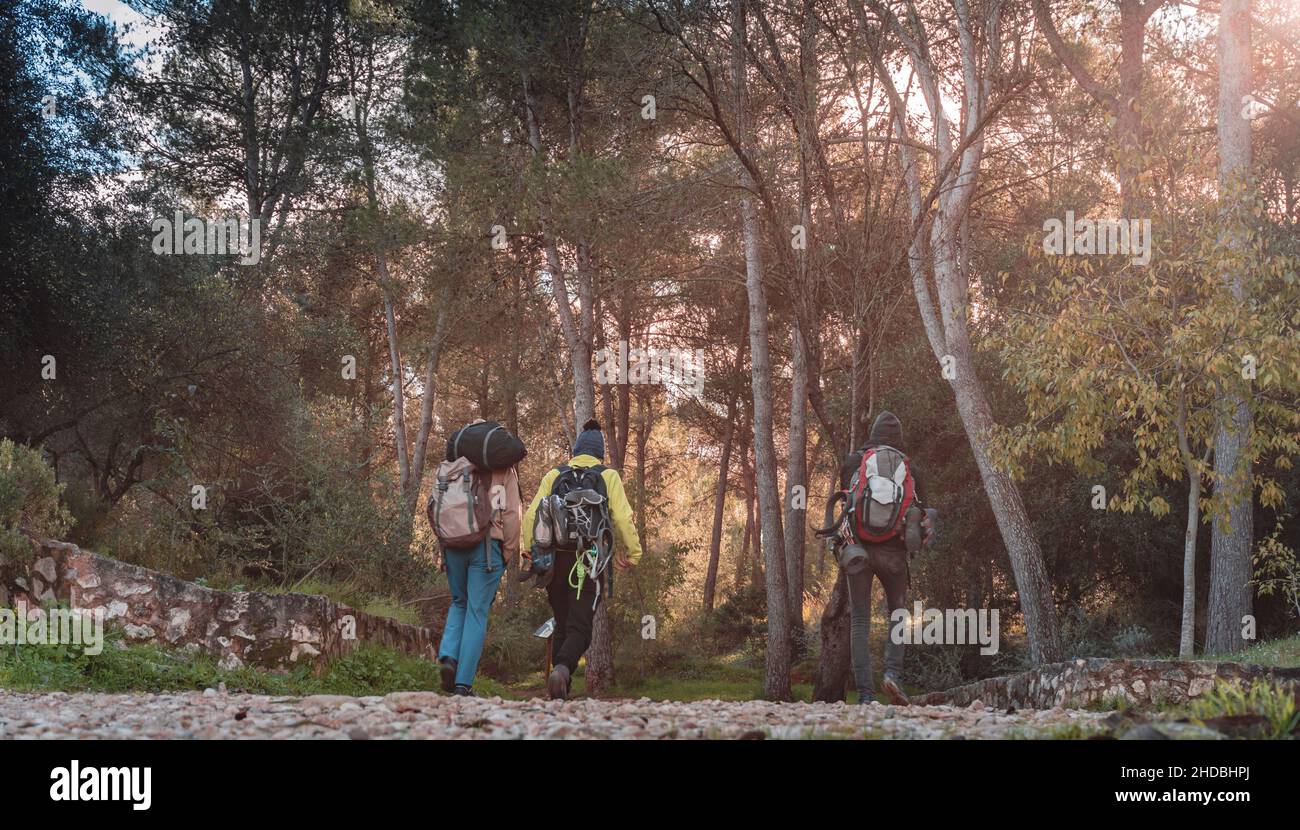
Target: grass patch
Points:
x,y
1279,653
1266,700
1111,703
121,668
695,680
1283,652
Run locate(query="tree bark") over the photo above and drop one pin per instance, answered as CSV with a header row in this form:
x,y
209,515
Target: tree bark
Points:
x,y
1230,543
796,515
1187,629
776,678
396,372
724,469
835,663
738,579
432,360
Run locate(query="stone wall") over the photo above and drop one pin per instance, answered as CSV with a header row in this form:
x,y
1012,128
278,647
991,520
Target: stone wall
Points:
x,y
274,631
1081,683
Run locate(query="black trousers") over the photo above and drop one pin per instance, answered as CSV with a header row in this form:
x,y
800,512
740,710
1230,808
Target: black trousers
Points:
x,y
887,563
573,614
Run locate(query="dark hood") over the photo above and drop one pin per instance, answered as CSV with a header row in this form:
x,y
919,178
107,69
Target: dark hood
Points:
x,y
887,430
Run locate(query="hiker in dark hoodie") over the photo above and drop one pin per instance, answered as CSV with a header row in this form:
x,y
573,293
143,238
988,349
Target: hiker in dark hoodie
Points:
x,y
887,561
574,615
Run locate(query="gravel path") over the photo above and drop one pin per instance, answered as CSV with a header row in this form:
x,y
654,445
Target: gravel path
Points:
x,y
212,714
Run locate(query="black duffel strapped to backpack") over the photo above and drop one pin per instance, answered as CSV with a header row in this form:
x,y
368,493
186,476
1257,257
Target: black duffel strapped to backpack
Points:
x,y
487,445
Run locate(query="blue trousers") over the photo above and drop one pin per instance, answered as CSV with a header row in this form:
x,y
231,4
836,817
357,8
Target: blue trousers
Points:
x,y
473,588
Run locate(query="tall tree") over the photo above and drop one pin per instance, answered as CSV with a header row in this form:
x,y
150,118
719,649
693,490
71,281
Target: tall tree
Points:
x,y
943,210
1124,103
1232,535
371,64
776,678
724,467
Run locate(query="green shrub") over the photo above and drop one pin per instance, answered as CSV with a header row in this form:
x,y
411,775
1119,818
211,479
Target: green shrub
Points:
x,y
741,619
1266,699
29,500
511,651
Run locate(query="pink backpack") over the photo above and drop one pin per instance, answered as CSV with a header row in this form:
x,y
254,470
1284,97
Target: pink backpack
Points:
x,y
460,506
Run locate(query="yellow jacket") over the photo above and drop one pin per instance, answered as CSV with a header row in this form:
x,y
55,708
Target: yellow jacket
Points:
x,y
620,511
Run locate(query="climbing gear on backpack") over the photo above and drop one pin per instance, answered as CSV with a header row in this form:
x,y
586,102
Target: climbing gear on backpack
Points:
x,y
590,563
578,509
578,573
575,518
460,506
593,563
851,556
487,445
879,494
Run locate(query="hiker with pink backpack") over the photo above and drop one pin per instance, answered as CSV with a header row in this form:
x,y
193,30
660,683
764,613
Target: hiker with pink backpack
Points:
x,y
882,522
476,512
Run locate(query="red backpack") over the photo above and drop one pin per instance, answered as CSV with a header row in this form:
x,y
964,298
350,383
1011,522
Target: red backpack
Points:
x,y
879,494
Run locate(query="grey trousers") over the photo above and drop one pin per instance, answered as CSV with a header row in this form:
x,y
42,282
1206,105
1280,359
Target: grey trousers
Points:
x,y
889,565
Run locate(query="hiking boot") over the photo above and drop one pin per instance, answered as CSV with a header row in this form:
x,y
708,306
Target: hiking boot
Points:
x,y
461,690
557,685
447,673
893,687
863,700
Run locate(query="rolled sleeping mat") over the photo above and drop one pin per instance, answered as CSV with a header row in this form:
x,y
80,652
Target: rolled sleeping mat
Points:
x,y
852,558
914,535
487,445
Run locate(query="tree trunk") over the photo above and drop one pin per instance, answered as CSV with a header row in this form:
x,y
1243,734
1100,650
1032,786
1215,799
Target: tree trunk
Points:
x,y
1036,603
776,679
1230,545
1187,630
395,370
432,360
724,468
739,579
579,333
514,588
796,515
644,423
835,663
600,657
1013,521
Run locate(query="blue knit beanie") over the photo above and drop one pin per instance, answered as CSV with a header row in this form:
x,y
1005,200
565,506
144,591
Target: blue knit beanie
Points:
x,y
591,441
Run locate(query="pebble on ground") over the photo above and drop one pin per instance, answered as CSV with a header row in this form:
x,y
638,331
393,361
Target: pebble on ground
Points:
x,y
213,714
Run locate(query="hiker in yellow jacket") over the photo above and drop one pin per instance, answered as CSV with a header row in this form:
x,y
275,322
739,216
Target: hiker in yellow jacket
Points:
x,y
574,614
